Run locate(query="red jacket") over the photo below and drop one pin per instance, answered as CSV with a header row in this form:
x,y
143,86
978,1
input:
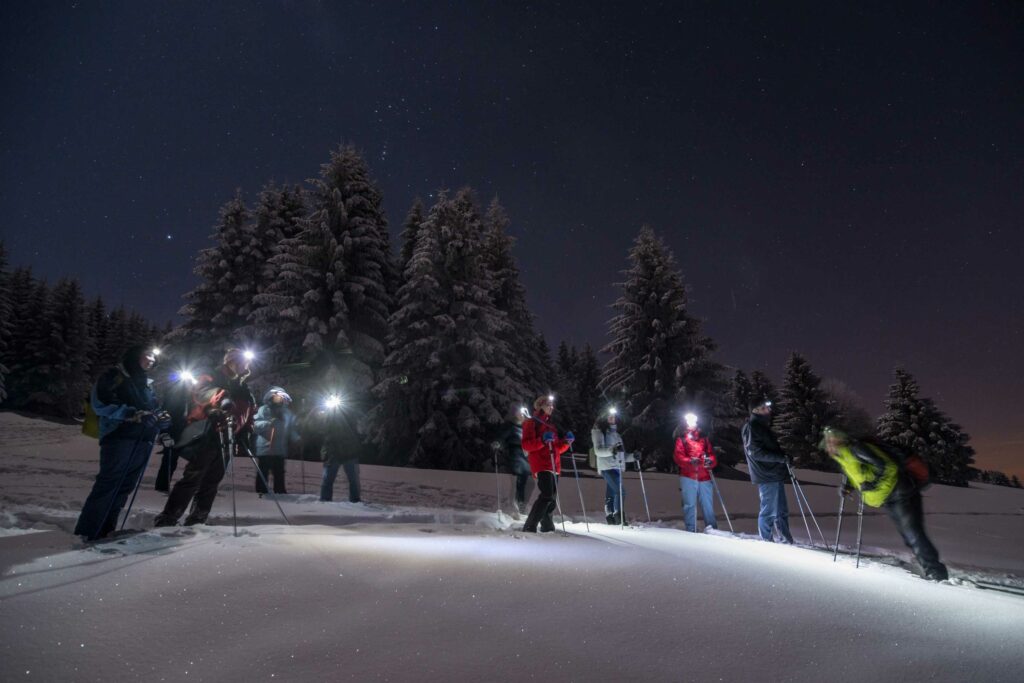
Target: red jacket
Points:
x,y
690,450
536,450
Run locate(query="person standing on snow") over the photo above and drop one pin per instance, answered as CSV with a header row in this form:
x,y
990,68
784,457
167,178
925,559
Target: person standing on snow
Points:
x,y
340,448
876,471
129,421
510,439
276,434
542,446
695,458
215,398
768,467
611,457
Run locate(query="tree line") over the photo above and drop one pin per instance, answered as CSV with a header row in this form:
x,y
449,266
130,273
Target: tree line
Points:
x,y
54,343
433,346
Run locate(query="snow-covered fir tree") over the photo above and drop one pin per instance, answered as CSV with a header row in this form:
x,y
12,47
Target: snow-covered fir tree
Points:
x,y
660,359
410,230
6,323
277,217
447,383
589,399
916,424
214,311
526,362
333,281
802,414
30,299
567,409
65,354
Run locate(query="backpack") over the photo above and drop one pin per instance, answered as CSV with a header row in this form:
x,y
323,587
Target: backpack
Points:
x,y
911,463
91,424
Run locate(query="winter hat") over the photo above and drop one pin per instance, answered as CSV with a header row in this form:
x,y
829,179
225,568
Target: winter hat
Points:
x,y
276,390
131,357
755,404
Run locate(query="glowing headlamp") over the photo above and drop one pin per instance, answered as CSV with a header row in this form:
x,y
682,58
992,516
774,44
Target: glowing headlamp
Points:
x,y
155,351
248,355
332,402
691,420
187,376
613,411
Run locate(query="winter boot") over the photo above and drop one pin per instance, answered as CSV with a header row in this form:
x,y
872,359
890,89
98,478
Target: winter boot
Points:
x,y
197,517
547,524
936,572
164,520
610,519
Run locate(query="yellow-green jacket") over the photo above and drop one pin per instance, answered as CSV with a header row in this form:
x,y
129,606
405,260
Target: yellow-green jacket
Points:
x,y
869,469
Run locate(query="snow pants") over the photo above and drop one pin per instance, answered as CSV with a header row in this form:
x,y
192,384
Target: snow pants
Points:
x,y
331,467
612,488
198,484
693,492
907,512
544,506
270,465
774,512
122,462
168,463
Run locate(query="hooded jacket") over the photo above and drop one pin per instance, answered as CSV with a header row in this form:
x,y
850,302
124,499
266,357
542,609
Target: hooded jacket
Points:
x,y
275,426
119,393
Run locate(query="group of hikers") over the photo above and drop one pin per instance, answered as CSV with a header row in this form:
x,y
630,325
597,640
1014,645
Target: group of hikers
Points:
x,y
220,419
213,418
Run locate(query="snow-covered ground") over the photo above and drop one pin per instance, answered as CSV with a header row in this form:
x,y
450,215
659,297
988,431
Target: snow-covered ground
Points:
x,y
425,582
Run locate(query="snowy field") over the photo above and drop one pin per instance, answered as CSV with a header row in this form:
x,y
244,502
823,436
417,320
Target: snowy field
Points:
x,y
425,582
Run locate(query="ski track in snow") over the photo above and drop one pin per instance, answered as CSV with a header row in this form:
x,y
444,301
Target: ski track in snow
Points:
x,y
424,582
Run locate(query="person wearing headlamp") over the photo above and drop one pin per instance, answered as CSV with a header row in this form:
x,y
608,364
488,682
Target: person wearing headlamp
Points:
x,y
695,458
215,398
769,468
544,449
276,435
610,454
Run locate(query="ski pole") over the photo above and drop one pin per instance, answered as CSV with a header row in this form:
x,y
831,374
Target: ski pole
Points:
x,y
302,469
721,500
807,504
792,476
266,485
230,458
497,479
643,489
622,506
579,489
136,491
839,523
860,526
554,480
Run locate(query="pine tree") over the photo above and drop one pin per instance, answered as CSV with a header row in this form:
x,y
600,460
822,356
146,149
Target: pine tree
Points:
x,y
802,414
214,310
762,388
447,384
410,230
526,362
334,280
845,409
568,409
588,397
6,322
660,360
30,300
98,323
65,356
1015,482
917,425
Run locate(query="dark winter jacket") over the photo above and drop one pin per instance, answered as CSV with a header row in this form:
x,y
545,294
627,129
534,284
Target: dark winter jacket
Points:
x,y
765,459
511,439
689,455
537,451
119,393
275,427
340,431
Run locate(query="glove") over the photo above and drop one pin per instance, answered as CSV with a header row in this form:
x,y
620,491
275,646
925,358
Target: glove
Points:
x,y
569,436
548,437
618,448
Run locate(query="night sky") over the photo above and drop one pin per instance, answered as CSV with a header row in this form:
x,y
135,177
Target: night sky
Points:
x,y
846,181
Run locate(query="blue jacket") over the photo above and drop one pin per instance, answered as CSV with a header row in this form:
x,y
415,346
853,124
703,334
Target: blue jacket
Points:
x,y
275,427
115,399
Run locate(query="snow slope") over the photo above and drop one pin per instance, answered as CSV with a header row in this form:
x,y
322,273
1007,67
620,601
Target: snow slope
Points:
x,y
426,583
